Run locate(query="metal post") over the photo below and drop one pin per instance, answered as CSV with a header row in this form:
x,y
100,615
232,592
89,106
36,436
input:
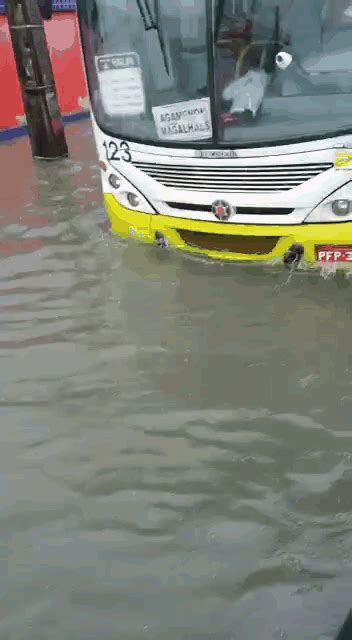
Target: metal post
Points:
x,y
46,129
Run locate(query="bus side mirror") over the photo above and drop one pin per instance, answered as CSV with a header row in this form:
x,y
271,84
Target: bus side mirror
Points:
x,y
46,9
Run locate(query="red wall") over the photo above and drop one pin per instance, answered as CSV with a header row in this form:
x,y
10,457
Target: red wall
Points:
x,y
63,42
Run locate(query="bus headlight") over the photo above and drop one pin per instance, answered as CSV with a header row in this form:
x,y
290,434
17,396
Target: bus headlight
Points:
x,y
336,207
125,192
114,181
341,207
133,200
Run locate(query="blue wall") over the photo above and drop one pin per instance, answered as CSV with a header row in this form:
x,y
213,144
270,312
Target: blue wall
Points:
x,y
58,5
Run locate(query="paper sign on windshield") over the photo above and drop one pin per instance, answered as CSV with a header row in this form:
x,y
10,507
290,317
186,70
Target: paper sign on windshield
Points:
x,y
189,120
121,84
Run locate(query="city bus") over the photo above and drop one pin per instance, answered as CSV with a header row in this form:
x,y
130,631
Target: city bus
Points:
x,y
224,127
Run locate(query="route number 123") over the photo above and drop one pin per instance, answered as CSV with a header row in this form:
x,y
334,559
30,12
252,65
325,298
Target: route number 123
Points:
x,y
117,151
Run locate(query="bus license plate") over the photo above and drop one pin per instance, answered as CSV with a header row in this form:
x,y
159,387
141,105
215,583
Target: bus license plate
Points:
x,y
333,253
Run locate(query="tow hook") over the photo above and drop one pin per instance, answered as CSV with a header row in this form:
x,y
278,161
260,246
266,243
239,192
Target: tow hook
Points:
x,y
160,240
294,255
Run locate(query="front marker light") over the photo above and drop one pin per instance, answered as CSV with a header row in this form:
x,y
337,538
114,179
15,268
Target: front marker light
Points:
x,y
341,207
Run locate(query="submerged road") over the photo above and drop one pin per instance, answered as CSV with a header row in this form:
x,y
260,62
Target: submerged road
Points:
x,y
175,435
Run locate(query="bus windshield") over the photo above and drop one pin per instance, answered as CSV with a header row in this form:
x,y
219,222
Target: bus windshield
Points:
x,y
231,73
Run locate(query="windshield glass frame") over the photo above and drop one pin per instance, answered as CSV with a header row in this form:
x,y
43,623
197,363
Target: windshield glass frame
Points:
x,y
215,142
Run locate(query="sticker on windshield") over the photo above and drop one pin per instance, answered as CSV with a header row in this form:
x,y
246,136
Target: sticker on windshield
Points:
x,y
343,159
121,84
189,120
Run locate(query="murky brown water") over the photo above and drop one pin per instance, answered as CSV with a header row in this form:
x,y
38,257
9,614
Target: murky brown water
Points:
x,y
175,441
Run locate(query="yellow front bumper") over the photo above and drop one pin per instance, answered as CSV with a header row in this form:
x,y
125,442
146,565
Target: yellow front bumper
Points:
x,y
244,242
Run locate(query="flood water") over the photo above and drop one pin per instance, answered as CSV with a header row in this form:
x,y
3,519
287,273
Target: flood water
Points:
x,y
175,435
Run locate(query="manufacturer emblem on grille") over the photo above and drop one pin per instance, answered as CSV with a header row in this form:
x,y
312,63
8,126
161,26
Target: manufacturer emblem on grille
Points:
x,y
222,210
216,153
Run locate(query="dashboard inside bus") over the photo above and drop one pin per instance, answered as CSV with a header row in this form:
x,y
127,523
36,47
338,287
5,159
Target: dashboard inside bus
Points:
x,y
233,72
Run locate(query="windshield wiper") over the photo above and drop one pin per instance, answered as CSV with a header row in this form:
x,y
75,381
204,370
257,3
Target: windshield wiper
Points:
x,y
153,23
219,17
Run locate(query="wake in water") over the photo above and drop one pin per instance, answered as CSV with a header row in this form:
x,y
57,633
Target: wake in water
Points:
x,y
328,270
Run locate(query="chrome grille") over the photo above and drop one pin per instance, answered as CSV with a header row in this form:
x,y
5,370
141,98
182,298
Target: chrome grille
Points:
x,y
231,178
